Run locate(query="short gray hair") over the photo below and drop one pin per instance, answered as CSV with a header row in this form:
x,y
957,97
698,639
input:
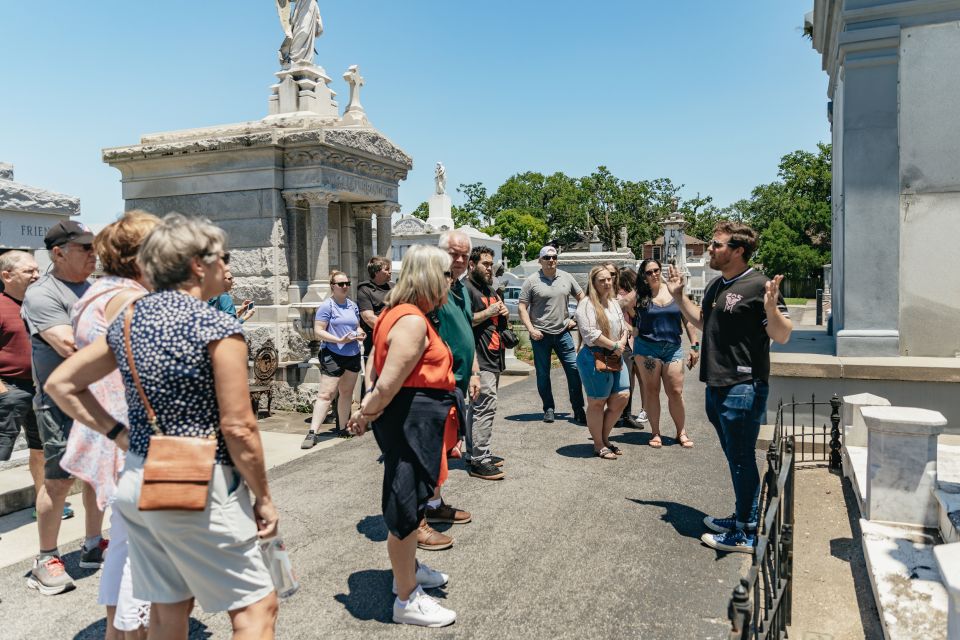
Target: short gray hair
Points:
x,y
447,236
10,260
166,253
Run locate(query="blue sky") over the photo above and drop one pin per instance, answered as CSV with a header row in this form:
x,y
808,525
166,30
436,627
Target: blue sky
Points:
x,y
710,94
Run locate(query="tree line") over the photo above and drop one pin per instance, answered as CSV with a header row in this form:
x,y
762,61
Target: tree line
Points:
x,y
792,215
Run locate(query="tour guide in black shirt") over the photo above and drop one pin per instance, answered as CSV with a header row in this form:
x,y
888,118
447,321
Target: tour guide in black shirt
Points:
x,y
741,312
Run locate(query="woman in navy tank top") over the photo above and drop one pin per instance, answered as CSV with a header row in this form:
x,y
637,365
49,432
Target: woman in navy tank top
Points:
x,y
658,351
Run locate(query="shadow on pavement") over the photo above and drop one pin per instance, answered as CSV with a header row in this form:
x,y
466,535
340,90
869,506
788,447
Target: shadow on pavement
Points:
x,y
851,550
635,437
95,631
526,417
369,596
373,527
576,450
686,521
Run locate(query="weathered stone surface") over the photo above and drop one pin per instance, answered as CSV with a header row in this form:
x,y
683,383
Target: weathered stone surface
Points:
x,y
15,196
368,141
6,171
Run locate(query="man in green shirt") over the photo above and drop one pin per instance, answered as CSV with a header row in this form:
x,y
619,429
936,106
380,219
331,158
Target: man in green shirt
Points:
x,y
456,329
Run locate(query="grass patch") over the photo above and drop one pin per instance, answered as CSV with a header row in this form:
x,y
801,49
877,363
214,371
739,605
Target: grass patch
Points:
x,y
796,301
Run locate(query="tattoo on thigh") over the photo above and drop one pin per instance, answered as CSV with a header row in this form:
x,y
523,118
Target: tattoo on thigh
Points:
x,y
649,364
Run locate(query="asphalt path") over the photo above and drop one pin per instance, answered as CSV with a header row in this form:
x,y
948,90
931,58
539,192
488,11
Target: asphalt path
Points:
x,y
566,546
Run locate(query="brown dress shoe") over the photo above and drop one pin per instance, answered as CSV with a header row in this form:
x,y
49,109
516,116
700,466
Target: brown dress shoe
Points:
x,y
432,540
445,514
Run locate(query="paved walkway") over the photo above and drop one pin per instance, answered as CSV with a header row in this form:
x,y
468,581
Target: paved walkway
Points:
x,y
567,546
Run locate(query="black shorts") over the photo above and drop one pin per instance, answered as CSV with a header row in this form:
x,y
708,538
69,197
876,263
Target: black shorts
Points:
x,y
333,364
54,427
16,412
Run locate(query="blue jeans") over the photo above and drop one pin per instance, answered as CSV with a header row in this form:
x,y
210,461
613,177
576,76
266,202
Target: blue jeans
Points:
x,y
735,413
562,344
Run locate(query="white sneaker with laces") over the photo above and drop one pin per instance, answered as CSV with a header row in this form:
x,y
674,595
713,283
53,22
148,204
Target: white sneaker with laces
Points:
x,y
427,578
422,610
642,418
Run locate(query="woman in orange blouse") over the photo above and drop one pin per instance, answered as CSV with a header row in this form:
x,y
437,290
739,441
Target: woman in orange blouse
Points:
x,y
411,402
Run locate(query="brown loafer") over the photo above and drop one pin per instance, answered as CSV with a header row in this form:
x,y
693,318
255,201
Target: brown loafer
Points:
x,y
430,539
445,514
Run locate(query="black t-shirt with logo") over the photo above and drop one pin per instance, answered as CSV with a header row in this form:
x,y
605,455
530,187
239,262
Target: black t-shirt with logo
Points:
x,y
735,345
491,353
370,297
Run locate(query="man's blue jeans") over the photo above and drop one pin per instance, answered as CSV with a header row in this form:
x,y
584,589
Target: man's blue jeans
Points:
x,y
736,413
562,344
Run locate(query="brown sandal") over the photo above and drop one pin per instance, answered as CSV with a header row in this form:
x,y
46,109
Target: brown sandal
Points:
x,y
605,454
655,442
684,441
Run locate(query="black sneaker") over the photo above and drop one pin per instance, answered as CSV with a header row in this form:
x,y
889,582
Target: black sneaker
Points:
x,y
496,461
93,558
548,415
579,417
309,441
485,471
630,422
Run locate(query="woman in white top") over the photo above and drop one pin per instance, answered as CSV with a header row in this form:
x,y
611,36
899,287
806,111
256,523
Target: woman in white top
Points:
x,y
603,333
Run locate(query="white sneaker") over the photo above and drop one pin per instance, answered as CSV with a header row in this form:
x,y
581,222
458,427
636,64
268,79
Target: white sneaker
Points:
x,y
642,418
427,578
422,610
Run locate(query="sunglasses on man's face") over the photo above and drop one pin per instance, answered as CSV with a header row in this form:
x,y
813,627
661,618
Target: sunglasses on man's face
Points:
x,y
716,244
448,274
549,258
342,284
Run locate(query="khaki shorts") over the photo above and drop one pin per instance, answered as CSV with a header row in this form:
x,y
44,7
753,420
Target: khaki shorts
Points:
x,y
210,555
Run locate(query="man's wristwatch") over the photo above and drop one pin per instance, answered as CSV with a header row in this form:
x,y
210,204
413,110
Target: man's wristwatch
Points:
x,y
695,347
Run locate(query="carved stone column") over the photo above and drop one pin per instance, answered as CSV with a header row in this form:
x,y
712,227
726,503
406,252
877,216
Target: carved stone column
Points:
x,y
363,214
385,227
348,243
296,224
318,249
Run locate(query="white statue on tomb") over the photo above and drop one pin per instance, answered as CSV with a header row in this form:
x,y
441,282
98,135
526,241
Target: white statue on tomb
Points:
x,y
595,236
440,178
623,237
354,113
302,25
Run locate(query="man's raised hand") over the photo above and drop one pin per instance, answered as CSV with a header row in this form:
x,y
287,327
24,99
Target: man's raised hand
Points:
x,y
675,281
771,293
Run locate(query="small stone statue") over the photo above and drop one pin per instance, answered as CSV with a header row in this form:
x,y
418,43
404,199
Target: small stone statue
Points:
x,y
623,237
440,179
596,234
301,25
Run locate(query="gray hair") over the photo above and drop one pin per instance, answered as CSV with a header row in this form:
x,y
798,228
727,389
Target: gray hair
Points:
x,y
447,236
12,259
166,253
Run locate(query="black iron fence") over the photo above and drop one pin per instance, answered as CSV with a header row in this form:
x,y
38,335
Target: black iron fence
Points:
x,y
761,606
817,440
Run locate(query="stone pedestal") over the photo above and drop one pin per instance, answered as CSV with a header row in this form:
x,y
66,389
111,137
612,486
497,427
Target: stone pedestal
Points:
x,y
854,429
948,560
441,208
902,464
514,366
303,89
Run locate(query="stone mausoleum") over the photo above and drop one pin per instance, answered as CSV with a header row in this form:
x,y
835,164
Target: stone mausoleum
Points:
x,y
297,191
27,213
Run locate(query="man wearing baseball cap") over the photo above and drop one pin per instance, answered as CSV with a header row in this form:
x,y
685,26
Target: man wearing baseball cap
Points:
x,y
543,310
46,311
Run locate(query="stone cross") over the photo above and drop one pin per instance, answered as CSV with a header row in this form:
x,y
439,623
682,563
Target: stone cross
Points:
x,y
354,114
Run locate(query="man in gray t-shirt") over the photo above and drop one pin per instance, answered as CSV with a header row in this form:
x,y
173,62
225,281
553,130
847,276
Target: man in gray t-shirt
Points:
x,y
46,311
543,310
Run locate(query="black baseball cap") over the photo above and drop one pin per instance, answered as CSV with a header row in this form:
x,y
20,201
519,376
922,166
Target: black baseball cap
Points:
x,y
67,231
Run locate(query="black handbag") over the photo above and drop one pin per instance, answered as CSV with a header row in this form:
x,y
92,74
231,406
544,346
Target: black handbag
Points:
x,y
509,338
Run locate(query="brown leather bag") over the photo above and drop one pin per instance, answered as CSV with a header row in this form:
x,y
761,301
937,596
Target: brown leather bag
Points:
x,y
178,470
605,362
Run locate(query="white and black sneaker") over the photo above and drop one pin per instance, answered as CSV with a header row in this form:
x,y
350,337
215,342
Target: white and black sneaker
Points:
x,y
427,578
422,610
728,524
485,470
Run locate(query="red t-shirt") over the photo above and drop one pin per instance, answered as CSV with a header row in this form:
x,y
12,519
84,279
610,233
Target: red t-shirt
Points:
x,y
14,340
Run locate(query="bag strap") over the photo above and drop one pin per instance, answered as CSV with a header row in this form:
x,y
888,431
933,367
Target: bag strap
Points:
x,y
128,346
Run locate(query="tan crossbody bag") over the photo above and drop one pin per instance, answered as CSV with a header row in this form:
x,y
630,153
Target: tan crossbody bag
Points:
x,y
178,470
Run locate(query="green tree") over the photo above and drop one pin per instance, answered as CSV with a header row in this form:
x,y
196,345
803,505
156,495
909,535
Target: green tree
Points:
x,y
475,210
781,251
523,234
422,211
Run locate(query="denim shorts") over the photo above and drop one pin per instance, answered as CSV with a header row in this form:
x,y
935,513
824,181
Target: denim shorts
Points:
x,y
600,384
665,352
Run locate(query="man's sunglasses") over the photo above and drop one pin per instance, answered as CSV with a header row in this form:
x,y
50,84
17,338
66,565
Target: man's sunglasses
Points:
x,y
447,274
342,284
549,258
716,244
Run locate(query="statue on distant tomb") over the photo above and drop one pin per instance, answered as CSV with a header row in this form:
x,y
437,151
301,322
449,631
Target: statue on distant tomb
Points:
x,y
623,237
440,178
302,25
596,234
